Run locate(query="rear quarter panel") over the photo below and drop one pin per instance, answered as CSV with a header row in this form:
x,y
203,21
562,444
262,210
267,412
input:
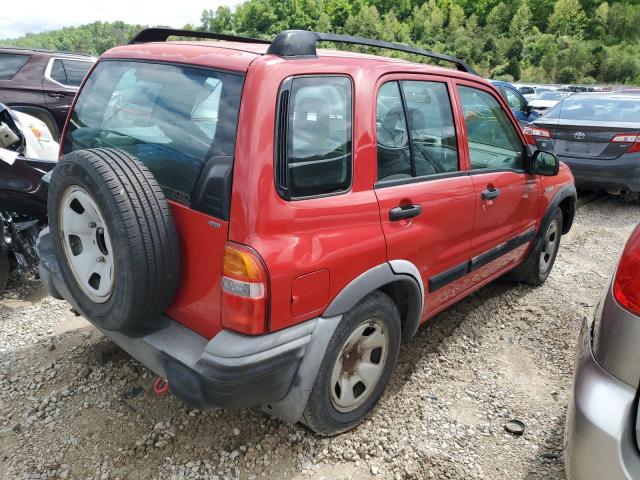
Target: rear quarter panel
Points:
x,y
340,233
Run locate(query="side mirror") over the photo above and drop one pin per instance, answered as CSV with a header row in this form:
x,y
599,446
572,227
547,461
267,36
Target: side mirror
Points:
x,y
528,109
544,163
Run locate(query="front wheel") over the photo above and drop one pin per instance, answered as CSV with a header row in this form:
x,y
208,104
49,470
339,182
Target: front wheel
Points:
x,y
357,366
537,267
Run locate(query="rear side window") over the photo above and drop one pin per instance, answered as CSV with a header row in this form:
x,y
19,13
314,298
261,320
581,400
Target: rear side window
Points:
x,y
428,146
313,147
69,72
173,118
493,141
10,64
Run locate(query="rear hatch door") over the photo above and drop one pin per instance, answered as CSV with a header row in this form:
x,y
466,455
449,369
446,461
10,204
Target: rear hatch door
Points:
x,y
180,121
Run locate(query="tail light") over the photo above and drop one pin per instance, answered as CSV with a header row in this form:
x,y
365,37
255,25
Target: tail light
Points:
x,y
632,139
531,133
626,285
245,286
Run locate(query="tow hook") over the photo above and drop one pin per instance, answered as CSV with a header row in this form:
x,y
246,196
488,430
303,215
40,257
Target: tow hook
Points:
x,y
160,386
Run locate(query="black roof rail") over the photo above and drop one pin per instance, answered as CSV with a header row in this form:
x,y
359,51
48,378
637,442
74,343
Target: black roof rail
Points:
x,y
159,34
294,43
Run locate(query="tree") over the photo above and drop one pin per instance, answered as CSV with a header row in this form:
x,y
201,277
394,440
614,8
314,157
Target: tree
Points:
x,y
568,18
521,22
366,24
428,22
601,20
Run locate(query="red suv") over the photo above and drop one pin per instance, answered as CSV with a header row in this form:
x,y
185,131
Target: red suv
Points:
x,y
264,223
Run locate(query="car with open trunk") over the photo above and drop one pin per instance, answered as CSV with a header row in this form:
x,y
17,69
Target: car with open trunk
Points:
x,y
265,223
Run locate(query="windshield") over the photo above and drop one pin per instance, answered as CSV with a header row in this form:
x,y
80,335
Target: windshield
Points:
x,y
551,96
172,118
601,109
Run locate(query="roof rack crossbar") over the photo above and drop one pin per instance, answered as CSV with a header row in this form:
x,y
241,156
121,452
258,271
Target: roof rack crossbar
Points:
x,y
292,43
158,34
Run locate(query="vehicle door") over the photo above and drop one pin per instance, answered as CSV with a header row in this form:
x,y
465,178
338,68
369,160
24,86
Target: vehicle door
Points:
x,y
507,197
60,83
425,195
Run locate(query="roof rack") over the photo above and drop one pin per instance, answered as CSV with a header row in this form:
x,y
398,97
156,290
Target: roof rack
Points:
x,y
296,43
158,34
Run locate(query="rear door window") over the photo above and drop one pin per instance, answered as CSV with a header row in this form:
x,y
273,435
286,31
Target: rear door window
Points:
x,y
428,146
69,72
172,118
10,64
314,137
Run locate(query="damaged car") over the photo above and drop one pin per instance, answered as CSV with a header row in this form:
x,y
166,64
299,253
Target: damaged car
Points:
x,y
27,152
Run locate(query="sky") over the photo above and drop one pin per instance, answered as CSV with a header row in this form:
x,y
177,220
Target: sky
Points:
x,y
41,15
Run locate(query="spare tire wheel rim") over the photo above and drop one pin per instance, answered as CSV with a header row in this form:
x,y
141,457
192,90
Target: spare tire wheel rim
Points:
x,y
86,243
359,365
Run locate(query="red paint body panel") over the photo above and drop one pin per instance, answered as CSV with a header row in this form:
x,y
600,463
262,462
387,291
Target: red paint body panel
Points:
x,y
197,303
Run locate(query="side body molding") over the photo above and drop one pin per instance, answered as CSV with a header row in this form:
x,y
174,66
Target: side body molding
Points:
x,y
379,276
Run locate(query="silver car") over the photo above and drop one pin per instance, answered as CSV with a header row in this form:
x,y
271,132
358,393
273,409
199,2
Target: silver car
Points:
x,y
603,422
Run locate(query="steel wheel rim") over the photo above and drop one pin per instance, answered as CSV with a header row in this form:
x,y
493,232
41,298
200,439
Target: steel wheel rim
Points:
x,y
359,365
86,243
549,246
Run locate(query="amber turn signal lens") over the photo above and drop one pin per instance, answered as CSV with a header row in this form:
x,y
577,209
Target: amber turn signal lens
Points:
x,y
241,264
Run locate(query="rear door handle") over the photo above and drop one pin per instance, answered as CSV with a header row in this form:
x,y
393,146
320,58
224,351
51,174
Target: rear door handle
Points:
x,y
404,212
56,95
490,193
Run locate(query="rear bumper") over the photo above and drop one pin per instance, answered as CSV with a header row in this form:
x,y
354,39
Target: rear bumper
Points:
x,y
621,173
276,371
599,433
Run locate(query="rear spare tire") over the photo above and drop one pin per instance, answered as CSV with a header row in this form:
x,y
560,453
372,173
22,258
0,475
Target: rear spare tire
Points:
x,y
114,238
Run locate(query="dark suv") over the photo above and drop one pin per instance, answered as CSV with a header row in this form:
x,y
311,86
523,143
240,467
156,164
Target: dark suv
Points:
x,y
263,223
41,83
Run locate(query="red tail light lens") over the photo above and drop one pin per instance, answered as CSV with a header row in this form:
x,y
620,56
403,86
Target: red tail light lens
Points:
x,y
626,285
632,139
244,290
531,133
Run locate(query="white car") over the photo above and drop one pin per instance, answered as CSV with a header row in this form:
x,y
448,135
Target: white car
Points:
x,y
40,144
546,100
530,92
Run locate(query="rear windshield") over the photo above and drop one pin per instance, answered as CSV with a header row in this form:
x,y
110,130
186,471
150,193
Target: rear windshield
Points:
x,y
172,118
598,109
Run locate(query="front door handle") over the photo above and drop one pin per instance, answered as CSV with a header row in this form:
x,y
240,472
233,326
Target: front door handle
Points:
x,y
490,193
404,212
56,95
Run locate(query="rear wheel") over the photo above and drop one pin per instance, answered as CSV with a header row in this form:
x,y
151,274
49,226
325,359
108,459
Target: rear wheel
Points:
x,y
357,366
114,238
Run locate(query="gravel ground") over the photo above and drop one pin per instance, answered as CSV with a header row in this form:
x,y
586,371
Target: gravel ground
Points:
x,y
505,352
